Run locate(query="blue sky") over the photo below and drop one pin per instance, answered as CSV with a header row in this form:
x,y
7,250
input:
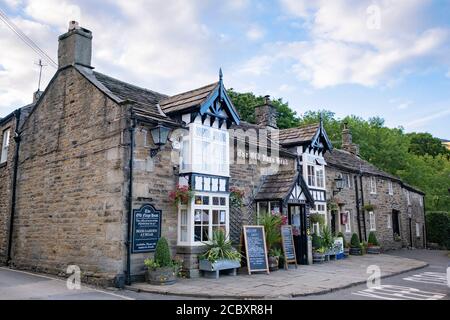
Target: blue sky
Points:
x,y
369,58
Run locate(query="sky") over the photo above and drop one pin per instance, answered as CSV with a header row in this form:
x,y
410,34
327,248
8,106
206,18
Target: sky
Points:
x,y
387,58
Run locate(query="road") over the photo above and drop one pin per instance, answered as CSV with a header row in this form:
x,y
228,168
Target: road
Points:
x,y
426,283
429,283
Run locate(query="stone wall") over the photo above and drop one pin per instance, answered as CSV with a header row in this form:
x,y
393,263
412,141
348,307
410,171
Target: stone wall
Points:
x,y
383,203
71,183
6,175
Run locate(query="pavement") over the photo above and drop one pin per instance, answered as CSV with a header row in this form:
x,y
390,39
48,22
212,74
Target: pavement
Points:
x,y
285,284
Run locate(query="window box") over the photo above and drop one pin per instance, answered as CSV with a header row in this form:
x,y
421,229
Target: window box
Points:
x,y
212,269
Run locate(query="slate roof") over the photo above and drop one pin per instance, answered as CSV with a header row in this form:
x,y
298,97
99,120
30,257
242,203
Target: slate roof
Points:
x,y
187,100
277,186
346,160
298,135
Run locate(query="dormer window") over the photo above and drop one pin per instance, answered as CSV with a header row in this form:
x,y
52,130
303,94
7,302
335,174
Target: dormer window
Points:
x,y
5,145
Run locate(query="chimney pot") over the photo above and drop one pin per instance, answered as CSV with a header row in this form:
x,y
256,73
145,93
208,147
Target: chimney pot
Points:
x,y
73,25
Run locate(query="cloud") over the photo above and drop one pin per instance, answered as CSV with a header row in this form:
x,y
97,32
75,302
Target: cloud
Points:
x,y
422,121
343,49
255,32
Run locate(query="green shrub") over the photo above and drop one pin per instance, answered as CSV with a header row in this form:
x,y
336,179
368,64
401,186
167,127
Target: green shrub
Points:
x,y
317,218
316,241
162,253
373,239
354,242
271,224
220,248
327,238
438,227
340,234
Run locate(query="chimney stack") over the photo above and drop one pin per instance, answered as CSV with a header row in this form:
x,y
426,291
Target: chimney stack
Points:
x,y
266,114
347,143
75,46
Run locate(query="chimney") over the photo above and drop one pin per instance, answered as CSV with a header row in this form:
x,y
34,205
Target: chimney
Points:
x,y
266,114
75,46
37,95
347,143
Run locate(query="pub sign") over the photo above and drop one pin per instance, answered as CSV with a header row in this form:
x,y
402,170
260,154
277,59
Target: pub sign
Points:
x,y
146,229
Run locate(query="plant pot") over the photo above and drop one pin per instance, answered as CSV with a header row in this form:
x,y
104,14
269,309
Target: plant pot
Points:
x,y
356,251
374,250
318,257
273,263
161,276
346,252
212,269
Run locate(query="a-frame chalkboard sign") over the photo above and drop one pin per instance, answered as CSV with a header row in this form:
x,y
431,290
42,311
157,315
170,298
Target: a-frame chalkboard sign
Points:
x,y
255,249
288,246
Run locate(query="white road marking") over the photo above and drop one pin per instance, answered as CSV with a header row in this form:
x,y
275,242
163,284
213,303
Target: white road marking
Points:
x,y
390,292
436,278
57,279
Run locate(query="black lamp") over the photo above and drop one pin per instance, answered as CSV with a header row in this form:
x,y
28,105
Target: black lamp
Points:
x,y
160,134
339,183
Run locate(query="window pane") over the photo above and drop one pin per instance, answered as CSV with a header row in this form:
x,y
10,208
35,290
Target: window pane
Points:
x,y
183,234
198,216
198,233
223,215
215,201
215,217
205,217
205,200
263,208
215,184
223,201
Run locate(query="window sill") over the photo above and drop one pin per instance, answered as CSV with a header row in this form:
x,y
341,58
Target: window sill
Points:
x,y
3,164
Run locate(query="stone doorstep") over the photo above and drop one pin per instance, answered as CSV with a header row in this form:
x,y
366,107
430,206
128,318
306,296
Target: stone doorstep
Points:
x,y
232,291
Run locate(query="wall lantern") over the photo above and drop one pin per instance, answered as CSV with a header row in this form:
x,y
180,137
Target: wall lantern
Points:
x,y
339,184
160,134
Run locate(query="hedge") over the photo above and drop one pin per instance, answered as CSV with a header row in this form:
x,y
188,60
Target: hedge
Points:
x,y
438,228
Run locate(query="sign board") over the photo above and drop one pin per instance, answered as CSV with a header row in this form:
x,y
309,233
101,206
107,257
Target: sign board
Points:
x,y
255,249
287,239
146,229
339,243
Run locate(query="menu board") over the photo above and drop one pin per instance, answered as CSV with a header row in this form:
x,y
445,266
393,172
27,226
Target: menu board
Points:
x,y
288,245
255,249
146,229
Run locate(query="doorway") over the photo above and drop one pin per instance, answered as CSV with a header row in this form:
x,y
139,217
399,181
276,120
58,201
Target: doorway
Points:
x,y
333,222
297,219
395,223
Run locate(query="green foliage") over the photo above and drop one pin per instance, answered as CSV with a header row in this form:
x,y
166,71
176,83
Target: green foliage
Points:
x,y
316,241
220,248
354,242
272,228
162,253
373,239
317,218
327,237
438,228
425,144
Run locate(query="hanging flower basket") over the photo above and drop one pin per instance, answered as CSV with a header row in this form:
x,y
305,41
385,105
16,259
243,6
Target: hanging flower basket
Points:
x,y
181,195
369,207
236,197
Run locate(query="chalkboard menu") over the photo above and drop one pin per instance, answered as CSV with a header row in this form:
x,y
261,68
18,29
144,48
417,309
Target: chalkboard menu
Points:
x,y
146,229
255,249
288,245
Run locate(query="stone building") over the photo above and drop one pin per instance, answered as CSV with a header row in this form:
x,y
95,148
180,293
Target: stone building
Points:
x,y
368,199
94,156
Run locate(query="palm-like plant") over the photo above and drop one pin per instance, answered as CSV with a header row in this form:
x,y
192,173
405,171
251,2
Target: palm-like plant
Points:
x,y
219,248
271,224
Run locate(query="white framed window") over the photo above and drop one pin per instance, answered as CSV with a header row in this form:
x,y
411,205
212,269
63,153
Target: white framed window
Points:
x,y
417,230
263,207
347,181
5,145
348,226
311,176
389,221
183,222
421,201
372,224
408,197
373,185
316,228
390,188
320,178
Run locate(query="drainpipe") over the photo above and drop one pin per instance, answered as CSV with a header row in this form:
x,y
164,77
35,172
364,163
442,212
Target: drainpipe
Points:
x,y
131,129
424,235
14,187
357,206
362,204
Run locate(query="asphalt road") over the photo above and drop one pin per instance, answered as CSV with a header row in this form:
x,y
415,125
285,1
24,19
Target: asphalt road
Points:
x,y
426,283
429,283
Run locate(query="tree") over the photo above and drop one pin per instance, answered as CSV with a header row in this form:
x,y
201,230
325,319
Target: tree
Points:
x,y
423,143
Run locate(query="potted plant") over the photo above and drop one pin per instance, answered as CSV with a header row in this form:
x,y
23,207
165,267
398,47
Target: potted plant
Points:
x,y
397,237
373,247
369,207
272,224
355,245
219,255
162,270
318,249
327,240
274,259
181,195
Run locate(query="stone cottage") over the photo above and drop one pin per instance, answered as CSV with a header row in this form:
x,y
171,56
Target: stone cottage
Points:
x,y
87,171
